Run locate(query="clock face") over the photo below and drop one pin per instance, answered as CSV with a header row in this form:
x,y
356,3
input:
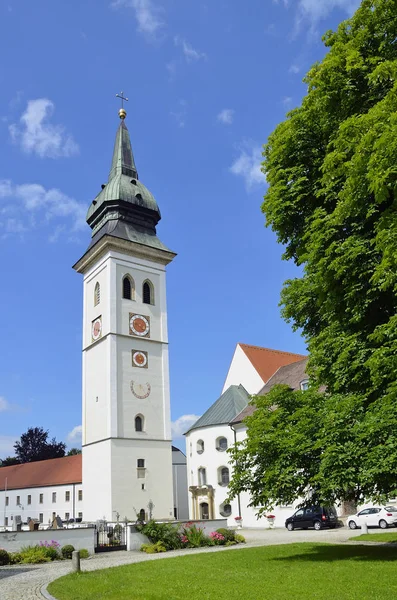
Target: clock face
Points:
x,y
96,329
140,390
139,359
139,325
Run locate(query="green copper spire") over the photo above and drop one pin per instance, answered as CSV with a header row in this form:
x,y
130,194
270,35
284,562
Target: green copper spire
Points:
x,y
124,207
123,159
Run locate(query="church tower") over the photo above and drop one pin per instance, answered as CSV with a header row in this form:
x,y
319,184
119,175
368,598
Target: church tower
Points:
x,y
127,457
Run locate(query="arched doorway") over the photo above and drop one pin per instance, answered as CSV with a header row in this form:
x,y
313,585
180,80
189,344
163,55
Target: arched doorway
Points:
x,y
204,511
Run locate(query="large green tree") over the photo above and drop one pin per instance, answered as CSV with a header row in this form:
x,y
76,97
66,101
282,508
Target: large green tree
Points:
x,y
34,445
332,201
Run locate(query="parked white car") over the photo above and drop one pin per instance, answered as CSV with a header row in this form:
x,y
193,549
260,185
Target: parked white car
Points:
x,y
377,516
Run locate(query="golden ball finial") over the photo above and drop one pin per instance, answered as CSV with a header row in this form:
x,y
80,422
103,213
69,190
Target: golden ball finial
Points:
x,y
122,113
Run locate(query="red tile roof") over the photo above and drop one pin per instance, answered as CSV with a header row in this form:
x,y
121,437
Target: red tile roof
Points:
x,y
56,471
267,361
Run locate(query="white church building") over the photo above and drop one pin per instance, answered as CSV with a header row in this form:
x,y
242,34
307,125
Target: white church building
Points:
x,y
127,453
253,371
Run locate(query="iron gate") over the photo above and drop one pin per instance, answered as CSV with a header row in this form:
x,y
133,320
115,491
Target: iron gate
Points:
x,y
110,537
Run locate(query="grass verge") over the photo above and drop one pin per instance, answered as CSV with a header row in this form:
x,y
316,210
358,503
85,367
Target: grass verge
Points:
x,y
390,537
294,571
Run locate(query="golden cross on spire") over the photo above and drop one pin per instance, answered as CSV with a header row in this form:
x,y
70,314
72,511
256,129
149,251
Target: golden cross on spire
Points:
x,y
122,112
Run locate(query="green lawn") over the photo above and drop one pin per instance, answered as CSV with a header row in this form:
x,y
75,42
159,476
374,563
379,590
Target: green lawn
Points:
x,y
389,537
288,572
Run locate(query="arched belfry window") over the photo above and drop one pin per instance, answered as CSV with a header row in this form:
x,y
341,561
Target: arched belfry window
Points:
x,y
148,292
128,288
138,423
97,294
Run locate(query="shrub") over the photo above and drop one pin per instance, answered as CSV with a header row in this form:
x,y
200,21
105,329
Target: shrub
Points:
x,y
34,555
5,558
51,549
230,543
217,538
15,558
84,553
67,551
240,539
153,548
194,537
162,532
228,534
51,552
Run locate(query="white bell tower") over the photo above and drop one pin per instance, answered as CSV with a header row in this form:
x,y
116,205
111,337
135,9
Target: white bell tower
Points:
x,y
127,457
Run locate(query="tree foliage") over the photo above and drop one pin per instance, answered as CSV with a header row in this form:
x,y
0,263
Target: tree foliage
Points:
x,y
332,200
34,446
8,461
74,451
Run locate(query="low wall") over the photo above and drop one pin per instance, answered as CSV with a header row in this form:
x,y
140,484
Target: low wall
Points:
x,y
80,538
135,539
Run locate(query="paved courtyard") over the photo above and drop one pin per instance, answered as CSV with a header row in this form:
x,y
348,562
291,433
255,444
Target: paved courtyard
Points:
x,y
24,582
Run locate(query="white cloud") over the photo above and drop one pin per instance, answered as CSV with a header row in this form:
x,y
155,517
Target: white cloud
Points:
x,y
7,445
74,436
147,15
287,101
3,404
316,10
248,166
190,53
31,205
182,425
180,113
226,116
294,69
36,135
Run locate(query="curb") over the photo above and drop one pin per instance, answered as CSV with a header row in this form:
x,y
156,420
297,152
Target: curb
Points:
x,y
45,593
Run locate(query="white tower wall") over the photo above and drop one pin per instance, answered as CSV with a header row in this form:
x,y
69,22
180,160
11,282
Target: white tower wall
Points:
x,y
113,483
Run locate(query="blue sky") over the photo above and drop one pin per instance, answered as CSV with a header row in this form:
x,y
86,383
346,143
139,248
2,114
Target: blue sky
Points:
x,y
207,82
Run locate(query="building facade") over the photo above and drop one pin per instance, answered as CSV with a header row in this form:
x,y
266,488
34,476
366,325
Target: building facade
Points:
x,y
41,491
126,401
207,441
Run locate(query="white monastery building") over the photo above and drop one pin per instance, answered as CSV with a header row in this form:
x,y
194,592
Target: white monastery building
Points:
x,y
253,371
126,426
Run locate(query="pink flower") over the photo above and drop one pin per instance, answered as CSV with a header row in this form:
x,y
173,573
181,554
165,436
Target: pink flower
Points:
x,y
237,518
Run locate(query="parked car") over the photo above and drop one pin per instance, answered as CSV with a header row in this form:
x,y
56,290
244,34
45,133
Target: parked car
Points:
x,y
376,516
313,516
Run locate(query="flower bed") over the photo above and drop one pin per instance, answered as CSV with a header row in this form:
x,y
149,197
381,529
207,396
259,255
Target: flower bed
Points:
x,y
40,553
166,536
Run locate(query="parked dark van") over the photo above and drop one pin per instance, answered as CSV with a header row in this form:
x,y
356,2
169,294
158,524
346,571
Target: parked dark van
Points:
x,y
313,516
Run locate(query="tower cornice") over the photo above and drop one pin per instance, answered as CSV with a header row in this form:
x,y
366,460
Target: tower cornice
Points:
x,y
108,243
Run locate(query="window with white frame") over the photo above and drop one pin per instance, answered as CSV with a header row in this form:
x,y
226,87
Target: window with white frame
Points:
x,y
41,498
225,509
147,292
202,476
54,496
80,495
128,288
41,517
223,476
80,515
18,502
67,496
139,423
67,516
200,446
29,499
221,444
97,294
